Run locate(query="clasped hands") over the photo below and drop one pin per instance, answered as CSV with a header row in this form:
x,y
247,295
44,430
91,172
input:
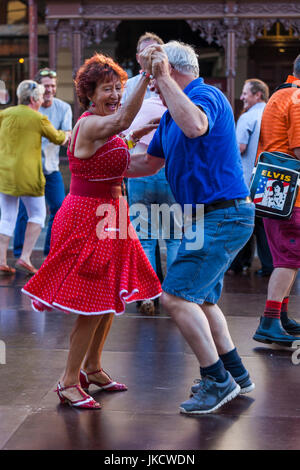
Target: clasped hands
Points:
x,y
154,60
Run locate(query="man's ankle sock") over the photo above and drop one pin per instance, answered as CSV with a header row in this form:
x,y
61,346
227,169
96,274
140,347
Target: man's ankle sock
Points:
x,y
216,370
284,309
233,363
272,309
285,304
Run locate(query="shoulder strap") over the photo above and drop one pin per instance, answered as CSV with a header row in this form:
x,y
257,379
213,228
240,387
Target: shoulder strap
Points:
x,y
73,140
287,85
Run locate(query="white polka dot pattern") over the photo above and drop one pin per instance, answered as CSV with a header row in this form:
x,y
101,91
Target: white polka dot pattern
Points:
x,y
91,269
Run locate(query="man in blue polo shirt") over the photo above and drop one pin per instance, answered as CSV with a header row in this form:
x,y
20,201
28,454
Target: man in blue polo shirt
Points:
x,y
196,141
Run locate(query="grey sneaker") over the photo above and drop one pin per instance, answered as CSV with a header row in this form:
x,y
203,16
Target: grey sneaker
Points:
x,y
243,381
210,396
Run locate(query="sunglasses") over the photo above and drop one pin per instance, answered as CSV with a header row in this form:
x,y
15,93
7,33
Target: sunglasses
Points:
x,y
47,73
32,86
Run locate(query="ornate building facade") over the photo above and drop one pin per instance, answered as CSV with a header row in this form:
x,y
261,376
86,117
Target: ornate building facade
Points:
x,y
251,37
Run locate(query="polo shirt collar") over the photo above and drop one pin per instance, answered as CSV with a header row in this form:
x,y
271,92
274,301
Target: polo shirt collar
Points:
x,y
292,79
192,84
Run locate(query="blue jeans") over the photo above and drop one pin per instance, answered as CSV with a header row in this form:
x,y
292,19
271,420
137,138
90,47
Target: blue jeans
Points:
x,y
54,195
245,256
197,274
150,191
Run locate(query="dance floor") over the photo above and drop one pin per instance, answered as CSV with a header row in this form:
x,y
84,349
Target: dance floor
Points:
x,y
150,356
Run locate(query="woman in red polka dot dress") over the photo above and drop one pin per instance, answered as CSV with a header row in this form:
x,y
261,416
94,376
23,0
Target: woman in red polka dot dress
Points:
x,y
96,263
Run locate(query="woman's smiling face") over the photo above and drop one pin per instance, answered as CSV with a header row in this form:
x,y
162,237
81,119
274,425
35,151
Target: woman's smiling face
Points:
x,y
107,97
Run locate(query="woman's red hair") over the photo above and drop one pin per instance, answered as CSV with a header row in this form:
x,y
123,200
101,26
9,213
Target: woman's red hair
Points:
x,y
99,68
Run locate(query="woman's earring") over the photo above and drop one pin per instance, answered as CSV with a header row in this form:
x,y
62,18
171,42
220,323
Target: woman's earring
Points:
x,y
92,105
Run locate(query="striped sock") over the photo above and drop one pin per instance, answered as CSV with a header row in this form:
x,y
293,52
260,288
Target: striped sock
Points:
x,y
284,309
272,309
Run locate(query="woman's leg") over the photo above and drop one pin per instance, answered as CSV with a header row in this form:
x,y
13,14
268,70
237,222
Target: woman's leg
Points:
x,y
92,361
9,211
32,234
80,339
4,242
36,210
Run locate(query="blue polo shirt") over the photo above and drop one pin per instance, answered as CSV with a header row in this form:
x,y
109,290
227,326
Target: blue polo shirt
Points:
x,y
207,168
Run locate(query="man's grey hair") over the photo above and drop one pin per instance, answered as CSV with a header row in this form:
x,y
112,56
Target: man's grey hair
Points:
x,y
182,57
29,89
297,67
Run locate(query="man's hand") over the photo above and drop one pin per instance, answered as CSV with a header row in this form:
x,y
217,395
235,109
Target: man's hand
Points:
x,y
190,118
144,130
154,60
145,59
160,63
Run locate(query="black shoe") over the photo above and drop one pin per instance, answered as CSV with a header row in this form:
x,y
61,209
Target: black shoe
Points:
x,y
290,326
263,273
270,331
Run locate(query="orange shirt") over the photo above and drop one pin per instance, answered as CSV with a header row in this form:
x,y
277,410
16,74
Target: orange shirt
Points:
x,y
280,125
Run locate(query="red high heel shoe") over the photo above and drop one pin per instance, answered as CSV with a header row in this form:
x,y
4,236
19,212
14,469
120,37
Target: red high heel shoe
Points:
x,y
110,386
87,401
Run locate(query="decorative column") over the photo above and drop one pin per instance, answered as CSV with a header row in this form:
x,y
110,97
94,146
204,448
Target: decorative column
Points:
x,y
77,43
77,26
230,47
52,31
33,38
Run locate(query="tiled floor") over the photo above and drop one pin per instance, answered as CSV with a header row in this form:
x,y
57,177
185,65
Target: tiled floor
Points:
x,y
150,356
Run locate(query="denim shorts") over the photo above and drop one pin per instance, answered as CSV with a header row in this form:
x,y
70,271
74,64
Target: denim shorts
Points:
x,y
197,275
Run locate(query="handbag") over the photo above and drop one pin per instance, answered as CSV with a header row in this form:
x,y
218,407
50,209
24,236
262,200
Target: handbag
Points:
x,y
275,184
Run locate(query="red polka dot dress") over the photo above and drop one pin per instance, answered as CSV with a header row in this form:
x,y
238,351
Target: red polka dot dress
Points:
x,y
96,263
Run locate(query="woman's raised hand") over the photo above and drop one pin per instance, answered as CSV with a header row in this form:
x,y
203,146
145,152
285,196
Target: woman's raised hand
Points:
x,y
154,60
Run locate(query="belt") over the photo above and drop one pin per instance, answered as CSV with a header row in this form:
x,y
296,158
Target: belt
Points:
x,y
81,187
213,206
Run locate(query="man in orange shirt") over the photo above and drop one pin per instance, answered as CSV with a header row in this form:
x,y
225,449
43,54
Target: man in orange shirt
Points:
x,y
280,130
